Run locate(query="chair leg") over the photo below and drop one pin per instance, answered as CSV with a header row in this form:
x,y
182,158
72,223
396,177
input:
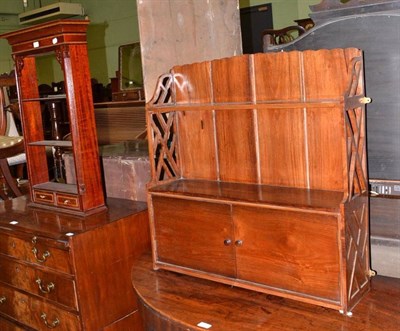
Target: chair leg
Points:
x,y
19,170
3,193
10,180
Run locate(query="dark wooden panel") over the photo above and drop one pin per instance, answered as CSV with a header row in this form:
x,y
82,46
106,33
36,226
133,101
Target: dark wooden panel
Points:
x,y
271,84
229,86
326,149
114,247
303,254
357,249
192,234
193,83
81,112
182,307
197,153
283,157
321,79
236,145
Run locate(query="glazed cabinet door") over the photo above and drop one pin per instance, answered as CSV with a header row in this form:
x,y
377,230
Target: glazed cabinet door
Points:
x,y
194,234
289,250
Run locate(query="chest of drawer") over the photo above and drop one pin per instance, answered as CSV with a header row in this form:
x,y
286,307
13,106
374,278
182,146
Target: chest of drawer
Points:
x,y
35,251
35,313
53,286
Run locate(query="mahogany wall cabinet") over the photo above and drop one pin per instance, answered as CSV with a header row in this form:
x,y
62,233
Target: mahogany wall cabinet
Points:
x,y
66,40
259,174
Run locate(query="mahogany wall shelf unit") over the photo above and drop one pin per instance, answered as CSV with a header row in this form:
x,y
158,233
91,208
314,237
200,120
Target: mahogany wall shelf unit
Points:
x,y
259,174
66,39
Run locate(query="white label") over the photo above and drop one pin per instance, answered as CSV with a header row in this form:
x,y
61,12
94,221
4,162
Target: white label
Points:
x,y
13,222
396,188
204,325
69,234
54,41
36,44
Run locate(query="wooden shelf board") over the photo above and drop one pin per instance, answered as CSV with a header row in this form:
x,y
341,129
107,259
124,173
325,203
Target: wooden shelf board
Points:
x,y
326,201
276,104
48,98
57,187
55,143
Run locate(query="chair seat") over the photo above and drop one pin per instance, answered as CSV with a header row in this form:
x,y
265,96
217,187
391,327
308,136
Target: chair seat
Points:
x,y
6,141
11,146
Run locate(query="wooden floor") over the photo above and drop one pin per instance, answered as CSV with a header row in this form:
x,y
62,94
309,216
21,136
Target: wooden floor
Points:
x,y
170,301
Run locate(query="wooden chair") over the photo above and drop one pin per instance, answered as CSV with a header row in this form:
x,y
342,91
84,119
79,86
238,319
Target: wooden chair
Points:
x,y
273,37
11,143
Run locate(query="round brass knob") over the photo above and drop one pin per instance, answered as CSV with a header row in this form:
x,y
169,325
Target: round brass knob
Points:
x,y
239,243
227,242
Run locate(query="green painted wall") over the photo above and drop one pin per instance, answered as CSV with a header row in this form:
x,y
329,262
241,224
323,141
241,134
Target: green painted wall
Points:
x,y
114,23
304,7
8,22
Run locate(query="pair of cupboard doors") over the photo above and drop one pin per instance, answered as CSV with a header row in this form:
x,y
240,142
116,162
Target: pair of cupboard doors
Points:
x,y
295,253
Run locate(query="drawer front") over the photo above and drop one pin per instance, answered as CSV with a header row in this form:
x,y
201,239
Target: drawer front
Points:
x,y
289,250
35,313
128,95
43,197
6,325
52,286
194,234
35,251
67,201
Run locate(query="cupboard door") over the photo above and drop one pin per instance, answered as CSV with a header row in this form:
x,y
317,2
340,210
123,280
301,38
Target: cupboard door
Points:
x,y
194,234
288,250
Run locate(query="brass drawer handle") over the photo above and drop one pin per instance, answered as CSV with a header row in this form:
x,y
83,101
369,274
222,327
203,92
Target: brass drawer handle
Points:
x,y
44,256
3,299
50,325
67,202
45,288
